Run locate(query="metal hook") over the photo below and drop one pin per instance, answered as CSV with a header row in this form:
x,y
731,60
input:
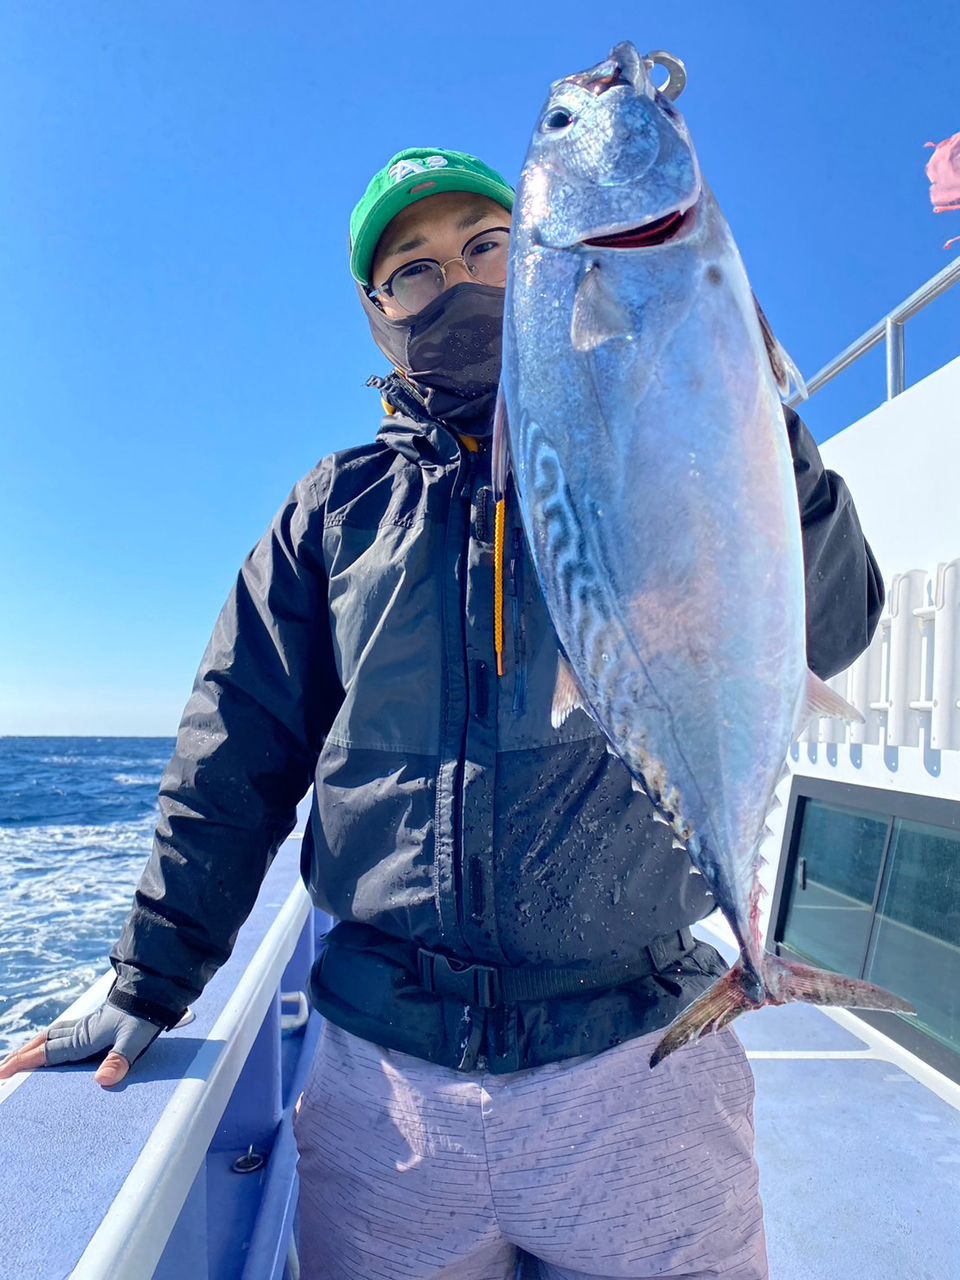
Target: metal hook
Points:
x,y
676,73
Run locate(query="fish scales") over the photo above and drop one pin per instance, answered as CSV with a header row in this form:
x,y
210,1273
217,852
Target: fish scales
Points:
x,y
641,416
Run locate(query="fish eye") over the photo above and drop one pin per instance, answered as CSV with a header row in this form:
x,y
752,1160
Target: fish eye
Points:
x,y
558,118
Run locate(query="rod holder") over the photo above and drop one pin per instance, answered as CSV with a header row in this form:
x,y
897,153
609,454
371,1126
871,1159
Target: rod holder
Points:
x,y
904,678
945,714
866,691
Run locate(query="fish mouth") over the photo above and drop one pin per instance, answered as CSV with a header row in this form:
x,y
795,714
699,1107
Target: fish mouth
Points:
x,y
659,231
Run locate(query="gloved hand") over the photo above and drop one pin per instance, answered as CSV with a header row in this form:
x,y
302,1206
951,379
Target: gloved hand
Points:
x,y
106,1029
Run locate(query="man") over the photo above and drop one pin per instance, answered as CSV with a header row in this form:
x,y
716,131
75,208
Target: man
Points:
x,y
510,940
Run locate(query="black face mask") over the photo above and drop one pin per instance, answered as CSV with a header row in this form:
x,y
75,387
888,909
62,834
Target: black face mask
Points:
x,y
450,351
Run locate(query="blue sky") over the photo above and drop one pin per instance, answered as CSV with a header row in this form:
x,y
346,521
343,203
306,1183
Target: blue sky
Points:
x,y
179,337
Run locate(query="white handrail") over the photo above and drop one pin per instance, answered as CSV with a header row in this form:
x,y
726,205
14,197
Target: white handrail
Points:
x,y
131,1238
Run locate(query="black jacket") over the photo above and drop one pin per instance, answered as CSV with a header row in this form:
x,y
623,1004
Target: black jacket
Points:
x,y
357,652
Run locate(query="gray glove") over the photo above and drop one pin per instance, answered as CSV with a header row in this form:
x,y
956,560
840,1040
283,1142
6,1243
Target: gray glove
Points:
x,y
105,1029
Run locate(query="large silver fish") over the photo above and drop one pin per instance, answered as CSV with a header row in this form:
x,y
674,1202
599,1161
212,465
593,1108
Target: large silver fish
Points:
x,y
641,418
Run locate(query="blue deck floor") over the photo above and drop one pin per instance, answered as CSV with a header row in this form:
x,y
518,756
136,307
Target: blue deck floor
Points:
x,y
859,1160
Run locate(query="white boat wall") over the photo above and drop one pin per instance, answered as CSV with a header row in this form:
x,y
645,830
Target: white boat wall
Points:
x,y
188,1169
902,464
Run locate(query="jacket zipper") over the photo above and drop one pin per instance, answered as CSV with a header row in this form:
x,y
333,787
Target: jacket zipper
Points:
x,y
516,611
459,879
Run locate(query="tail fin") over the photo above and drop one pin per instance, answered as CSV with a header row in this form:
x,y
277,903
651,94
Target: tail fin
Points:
x,y
785,981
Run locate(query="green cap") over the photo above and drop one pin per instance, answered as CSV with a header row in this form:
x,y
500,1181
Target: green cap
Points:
x,y
410,176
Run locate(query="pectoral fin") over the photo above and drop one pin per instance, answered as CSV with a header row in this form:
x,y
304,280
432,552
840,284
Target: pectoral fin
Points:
x,y
598,314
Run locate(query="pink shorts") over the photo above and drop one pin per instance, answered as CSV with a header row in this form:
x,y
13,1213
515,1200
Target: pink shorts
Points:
x,y
592,1168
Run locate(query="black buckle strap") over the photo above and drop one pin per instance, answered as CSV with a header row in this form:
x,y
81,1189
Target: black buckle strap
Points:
x,y
664,950
475,984
485,986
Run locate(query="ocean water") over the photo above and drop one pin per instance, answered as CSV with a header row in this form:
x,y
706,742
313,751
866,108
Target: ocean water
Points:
x,y
76,824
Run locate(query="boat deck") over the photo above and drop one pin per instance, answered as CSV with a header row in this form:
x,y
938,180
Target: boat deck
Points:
x,y
858,1143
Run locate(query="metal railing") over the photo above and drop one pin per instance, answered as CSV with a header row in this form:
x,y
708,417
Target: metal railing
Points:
x,y
890,330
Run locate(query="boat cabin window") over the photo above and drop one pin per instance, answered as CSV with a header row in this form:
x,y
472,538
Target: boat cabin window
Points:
x,y
870,887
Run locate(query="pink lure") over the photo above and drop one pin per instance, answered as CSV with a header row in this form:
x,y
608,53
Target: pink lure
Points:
x,y
943,170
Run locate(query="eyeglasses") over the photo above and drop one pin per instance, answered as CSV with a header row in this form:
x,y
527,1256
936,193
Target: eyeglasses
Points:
x,y
416,284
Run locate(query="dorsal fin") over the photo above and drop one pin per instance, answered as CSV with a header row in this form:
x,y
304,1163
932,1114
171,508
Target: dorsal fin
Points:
x,y
785,372
500,447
